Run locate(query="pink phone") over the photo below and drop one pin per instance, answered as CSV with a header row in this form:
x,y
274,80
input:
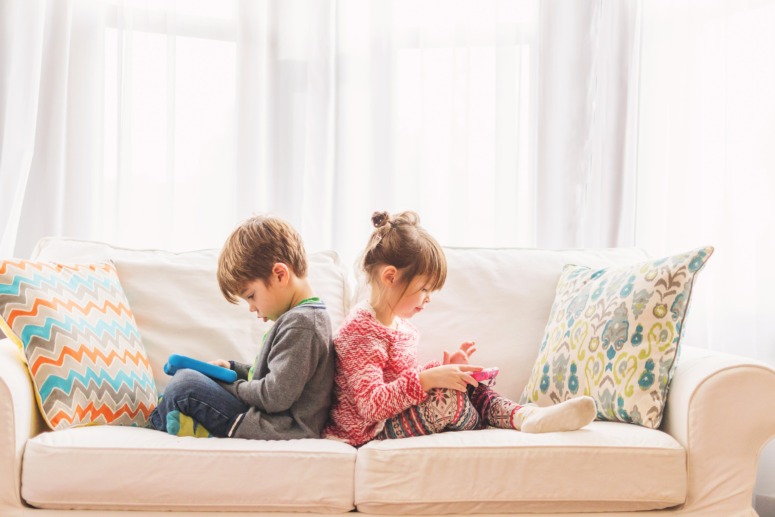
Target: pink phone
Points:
x,y
488,374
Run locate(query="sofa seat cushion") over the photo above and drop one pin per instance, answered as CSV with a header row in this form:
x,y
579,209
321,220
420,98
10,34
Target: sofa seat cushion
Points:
x,y
607,466
126,468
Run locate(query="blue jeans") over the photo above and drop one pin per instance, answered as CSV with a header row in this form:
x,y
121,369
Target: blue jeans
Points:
x,y
200,397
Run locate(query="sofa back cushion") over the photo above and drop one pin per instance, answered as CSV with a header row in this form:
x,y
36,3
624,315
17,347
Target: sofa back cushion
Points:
x,y
178,305
501,299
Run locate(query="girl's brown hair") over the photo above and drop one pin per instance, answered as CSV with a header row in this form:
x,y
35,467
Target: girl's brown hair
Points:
x,y
399,241
252,250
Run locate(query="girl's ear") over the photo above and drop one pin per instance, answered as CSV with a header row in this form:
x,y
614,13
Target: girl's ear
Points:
x,y
389,276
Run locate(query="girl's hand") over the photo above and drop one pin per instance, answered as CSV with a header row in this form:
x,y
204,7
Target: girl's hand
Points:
x,y
452,376
221,362
467,349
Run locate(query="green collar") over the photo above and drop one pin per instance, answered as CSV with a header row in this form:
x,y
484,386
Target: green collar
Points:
x,y
306,301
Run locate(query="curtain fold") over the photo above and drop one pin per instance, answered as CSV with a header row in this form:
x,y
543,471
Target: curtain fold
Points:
x,y
706,160
66,164
52,120
21,51
286,98
587,115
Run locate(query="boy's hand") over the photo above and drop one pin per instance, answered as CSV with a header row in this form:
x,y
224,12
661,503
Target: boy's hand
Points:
x,y
452,376
221,362
467,349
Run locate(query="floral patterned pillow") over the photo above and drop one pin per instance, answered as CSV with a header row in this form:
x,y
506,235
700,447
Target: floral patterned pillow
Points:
x,y
614,334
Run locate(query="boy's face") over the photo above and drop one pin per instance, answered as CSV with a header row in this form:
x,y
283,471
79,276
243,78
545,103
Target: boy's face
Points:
x,y
264,298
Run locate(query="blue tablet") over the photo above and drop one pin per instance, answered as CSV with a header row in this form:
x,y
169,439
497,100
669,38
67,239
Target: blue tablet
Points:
x,y
176,362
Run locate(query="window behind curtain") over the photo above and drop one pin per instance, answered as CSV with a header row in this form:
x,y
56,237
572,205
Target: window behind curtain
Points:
x,y
170,101
437,113
432,108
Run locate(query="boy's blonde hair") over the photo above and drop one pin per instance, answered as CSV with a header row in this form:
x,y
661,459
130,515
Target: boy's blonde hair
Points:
x,y
401,242
253,249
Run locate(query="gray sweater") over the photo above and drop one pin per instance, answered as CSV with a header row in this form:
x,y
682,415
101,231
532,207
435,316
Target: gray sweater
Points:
x,y
293,378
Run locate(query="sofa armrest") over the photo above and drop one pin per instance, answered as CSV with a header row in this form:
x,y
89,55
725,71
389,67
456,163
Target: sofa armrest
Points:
x,y
19,420
720,410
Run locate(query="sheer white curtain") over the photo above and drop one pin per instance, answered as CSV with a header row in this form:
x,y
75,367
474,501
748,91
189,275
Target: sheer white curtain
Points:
x,y
706,160
354,106
170,123
588,118
51,71
503,122
19,83
437,112
117,122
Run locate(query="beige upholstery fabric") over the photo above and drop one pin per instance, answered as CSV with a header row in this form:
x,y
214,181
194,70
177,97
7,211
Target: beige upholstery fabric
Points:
x,y
20,419
604,467
720,409
130,468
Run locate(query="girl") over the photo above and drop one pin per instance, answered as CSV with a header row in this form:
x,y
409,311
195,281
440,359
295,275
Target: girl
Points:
x,y
379,390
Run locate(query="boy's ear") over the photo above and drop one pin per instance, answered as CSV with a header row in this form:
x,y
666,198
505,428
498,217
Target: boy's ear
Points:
x,y
281,273
389,276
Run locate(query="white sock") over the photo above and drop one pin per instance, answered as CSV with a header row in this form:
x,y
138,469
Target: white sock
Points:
x,y
566,416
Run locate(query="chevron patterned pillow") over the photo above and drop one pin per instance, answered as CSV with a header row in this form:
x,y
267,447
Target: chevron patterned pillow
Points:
x,y
80,341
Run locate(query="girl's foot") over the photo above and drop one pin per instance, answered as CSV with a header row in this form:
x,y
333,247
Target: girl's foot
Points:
x,y
566,416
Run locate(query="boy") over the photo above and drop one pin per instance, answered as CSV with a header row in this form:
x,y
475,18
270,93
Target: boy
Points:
x,y
287,391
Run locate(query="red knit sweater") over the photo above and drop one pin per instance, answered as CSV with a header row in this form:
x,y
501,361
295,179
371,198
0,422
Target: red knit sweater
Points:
x,y
376,378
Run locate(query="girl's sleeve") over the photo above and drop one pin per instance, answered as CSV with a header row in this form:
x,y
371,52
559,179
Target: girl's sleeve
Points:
x,y
362,362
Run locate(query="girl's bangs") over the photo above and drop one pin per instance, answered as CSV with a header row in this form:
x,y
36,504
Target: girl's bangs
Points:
x,y
433,265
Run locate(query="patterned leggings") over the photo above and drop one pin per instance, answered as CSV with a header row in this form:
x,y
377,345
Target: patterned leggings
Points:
x,y
452,410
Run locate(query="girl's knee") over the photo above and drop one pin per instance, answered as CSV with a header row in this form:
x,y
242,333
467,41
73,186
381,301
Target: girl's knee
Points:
x,y
461,399
454,410
447,397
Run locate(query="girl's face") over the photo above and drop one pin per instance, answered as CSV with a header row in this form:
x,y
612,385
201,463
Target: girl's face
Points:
x,y
410,300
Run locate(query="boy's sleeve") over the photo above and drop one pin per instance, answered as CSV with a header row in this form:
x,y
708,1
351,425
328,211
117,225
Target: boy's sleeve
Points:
x,y
291,363
363,367
242,369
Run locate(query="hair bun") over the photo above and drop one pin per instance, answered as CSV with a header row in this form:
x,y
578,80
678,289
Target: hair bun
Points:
x,y
380,219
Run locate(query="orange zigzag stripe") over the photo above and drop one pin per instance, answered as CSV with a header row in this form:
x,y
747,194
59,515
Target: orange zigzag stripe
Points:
x,y
71,305
26,265
93,412
137,358
20,264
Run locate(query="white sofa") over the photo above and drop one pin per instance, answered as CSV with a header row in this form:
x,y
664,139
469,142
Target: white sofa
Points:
x,y
702,462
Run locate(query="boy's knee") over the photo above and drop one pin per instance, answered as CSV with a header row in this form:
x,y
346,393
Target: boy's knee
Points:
x,y
182,383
